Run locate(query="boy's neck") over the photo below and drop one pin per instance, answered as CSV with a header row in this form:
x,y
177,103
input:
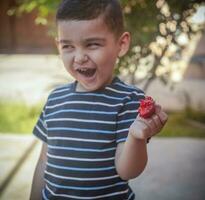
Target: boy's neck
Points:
x,y
80,88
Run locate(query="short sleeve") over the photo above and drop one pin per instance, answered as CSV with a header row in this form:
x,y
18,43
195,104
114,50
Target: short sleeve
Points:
x,y
40,129
127,115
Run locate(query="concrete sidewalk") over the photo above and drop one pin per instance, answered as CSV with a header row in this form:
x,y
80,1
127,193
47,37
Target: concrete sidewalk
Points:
x,y
12,147
175,171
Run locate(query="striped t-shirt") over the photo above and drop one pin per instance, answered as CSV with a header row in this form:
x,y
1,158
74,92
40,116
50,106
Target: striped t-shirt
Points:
x,y
82,130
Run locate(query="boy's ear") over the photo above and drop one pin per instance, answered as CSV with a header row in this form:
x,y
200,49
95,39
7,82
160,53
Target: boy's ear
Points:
x,y
124,43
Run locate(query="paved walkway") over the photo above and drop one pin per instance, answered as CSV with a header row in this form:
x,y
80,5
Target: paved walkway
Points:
x,y
12,147
175,171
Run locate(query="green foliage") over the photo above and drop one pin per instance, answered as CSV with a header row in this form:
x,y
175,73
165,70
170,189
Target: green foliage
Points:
x,y
17,117
45,8
141,21
150,23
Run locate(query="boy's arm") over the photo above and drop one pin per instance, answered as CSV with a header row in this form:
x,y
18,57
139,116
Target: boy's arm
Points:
x,y
131,156
38,178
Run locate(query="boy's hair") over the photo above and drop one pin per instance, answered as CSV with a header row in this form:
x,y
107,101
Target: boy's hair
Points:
x,y
91,9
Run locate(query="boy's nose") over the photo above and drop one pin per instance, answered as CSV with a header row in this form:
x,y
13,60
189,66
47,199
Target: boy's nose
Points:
x,y
80,58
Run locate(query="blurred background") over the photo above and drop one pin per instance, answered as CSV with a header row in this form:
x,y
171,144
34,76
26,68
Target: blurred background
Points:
x,y
166,60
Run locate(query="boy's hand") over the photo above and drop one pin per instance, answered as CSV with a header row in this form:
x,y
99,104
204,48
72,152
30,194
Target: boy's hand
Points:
x,y
144,128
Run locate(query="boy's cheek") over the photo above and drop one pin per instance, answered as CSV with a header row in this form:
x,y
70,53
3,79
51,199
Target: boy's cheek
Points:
x,y
66,62
66,58
105,60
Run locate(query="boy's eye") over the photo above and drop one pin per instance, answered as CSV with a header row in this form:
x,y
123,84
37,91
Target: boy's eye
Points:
x,y
66,46
93,45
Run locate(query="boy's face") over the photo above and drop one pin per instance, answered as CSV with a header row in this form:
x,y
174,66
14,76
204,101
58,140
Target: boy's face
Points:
x,y
89,51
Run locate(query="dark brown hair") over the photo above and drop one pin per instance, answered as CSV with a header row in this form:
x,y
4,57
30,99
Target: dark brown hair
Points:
x,y
91,9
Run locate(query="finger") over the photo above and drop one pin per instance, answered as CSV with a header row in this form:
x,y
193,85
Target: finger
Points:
x,y
157,122
158,108
152,125
161,114
163,117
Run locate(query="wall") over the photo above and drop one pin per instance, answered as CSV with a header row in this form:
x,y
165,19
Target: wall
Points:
x,y
21,34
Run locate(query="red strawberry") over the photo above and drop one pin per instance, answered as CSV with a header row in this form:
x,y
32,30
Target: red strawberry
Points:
x,y
147,107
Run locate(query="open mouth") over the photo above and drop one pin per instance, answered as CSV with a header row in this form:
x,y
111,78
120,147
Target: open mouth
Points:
x,y
86,72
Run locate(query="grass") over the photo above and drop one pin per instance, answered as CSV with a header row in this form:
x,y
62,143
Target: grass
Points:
x,y
177,126
195,115
19,118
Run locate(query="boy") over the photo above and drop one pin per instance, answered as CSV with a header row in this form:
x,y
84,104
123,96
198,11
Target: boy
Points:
x,y
93,140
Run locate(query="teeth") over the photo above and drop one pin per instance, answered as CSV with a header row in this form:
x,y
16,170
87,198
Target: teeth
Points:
x,y
86,71
82,70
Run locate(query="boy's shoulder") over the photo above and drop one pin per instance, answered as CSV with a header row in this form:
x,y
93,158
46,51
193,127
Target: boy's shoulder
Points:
x,y
60,90
120,85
